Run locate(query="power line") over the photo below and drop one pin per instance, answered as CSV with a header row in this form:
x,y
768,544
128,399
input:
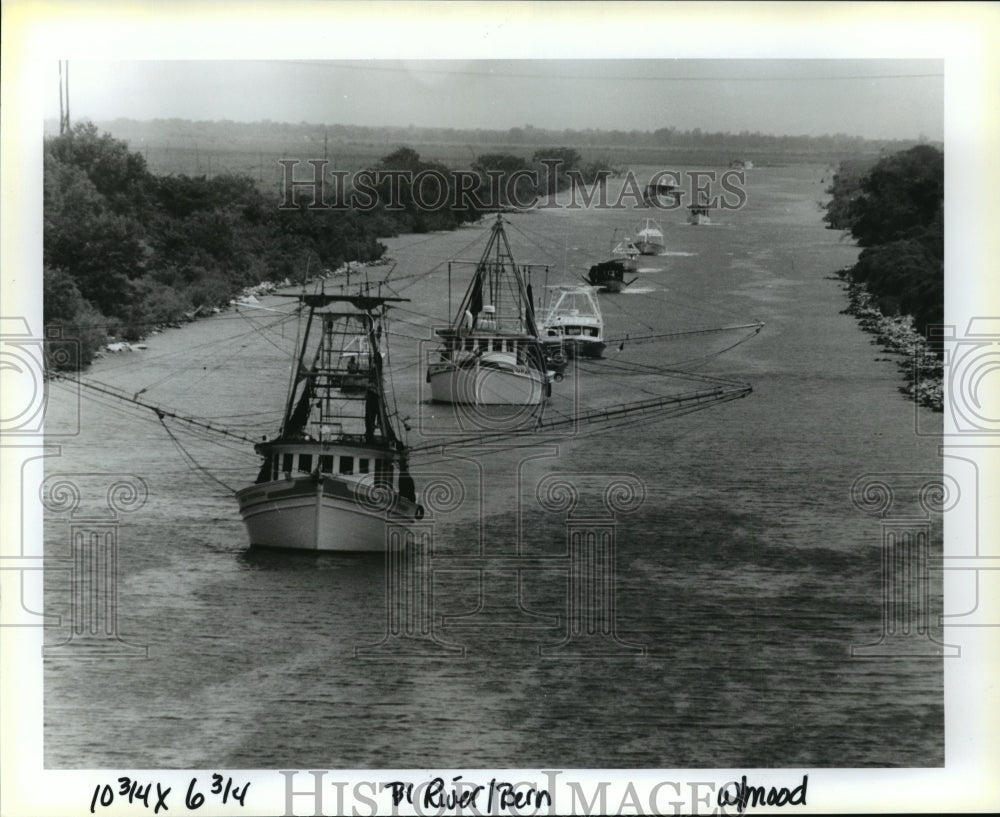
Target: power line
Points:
x,y
408,69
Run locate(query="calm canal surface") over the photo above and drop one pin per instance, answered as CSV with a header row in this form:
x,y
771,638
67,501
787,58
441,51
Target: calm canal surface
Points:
x,y
741,581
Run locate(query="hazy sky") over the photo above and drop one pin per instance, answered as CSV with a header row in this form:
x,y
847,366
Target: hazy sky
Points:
x,y
876,98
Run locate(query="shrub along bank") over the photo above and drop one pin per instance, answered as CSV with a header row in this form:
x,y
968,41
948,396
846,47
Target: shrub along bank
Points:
x,y
895,211
126,251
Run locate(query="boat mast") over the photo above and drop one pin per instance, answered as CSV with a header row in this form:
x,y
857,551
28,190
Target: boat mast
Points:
x,y
299,374
376,381
375,403
496,256
529,309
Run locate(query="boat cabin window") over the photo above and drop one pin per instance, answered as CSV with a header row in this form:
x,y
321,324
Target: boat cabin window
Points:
x,y
470,344
346,465
592,331
362,465
305,462
286,462
572,330
326,463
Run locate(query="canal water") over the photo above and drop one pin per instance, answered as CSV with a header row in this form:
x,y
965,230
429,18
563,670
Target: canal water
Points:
x,y
741,571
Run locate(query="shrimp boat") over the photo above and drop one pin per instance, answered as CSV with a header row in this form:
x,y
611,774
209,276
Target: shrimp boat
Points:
x,y
491,354
656,192
573,321
337,472
609,276
649,238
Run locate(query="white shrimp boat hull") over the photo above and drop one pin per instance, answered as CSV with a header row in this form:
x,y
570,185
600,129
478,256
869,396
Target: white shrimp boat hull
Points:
x,y
472,383
329,515
649,239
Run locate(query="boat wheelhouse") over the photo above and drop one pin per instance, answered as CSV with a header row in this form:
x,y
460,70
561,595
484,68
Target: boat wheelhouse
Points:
x,y
491,353
573,321
337,473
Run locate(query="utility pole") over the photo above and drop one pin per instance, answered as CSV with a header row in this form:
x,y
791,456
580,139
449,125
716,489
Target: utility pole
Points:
x,y
63,97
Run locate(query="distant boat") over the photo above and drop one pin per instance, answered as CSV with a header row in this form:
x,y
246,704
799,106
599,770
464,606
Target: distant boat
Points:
x,y
491,353
627,253
649,238
337,472
609,276
698,214
573,321
654,194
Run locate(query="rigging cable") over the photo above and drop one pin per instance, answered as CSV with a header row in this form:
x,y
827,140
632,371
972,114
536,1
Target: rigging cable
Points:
x,y
668,405
104,388
195,466
529,439
700,361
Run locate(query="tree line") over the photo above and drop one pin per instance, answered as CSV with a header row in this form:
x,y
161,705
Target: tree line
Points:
x,y
741,142
126,250
894,208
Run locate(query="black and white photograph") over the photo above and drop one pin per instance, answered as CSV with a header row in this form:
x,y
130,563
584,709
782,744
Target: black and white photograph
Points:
x,y
499,408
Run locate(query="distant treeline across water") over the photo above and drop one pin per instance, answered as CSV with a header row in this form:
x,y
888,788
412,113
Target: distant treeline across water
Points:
x,y
254,148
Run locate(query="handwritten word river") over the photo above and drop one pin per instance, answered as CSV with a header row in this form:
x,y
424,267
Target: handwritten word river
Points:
x,y
466,795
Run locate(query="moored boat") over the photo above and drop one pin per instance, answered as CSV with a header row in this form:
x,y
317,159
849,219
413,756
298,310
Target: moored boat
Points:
x,y
698,214
656,193
609,276
491,353
337,472
573,321
649,238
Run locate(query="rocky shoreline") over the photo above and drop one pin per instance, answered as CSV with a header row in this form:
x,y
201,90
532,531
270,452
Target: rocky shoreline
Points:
x,y
895,333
